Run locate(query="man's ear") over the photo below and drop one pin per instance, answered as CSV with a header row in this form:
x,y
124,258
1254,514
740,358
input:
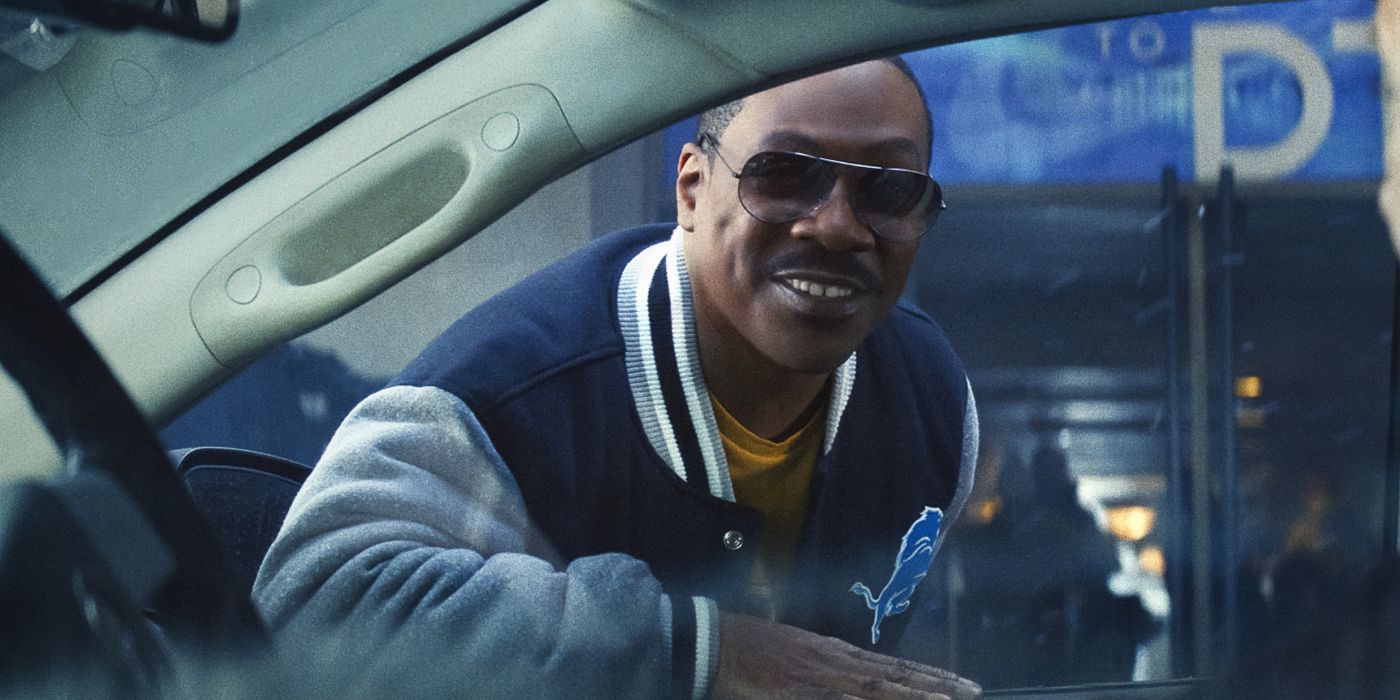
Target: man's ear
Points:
x,y
689,173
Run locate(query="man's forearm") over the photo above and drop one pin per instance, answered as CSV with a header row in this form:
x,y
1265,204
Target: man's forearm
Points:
x,y
411,539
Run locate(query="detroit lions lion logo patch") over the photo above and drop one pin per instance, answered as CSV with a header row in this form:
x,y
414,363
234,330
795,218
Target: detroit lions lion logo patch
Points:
x,y
910,567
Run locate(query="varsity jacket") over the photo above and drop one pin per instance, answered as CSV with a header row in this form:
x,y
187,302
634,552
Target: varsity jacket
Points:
x,y
543,498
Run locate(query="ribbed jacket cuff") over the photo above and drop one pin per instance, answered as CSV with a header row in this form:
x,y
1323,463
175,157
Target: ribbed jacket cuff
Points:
x,y
693,632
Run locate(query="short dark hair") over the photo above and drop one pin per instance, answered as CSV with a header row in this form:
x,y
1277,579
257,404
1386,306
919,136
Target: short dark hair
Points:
x,y
714,121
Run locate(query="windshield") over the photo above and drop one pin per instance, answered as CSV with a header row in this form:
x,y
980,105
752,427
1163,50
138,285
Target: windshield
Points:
x,y
109,137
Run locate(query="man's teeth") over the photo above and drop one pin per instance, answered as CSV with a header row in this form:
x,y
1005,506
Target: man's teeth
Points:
x,y
832,291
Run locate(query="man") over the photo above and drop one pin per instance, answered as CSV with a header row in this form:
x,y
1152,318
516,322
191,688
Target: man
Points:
x,y
665,462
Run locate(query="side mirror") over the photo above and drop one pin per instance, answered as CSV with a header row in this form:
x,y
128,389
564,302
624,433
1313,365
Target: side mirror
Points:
x,y
205,20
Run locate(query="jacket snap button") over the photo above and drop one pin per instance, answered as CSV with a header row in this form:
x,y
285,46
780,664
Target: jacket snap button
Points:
x,y
733,540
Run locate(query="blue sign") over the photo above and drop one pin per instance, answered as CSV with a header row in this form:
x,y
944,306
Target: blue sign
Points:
x,y
1280,91
1287,91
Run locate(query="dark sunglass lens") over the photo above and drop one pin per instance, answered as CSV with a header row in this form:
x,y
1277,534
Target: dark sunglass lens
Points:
x,y
898,204
894,193
781,187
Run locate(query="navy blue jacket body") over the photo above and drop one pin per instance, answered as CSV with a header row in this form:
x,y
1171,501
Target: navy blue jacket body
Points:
x,y
556,371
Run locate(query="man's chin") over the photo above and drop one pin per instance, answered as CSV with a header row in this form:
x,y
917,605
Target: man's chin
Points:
x,y
808,358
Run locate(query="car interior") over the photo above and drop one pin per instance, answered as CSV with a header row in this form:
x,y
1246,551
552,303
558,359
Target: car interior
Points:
x,y
143,557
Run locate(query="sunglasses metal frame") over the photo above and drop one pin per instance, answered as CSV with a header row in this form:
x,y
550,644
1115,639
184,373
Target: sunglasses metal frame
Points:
x,y
942,204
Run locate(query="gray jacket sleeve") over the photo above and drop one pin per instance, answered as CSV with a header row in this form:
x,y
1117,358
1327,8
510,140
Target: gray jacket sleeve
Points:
x,y
408,557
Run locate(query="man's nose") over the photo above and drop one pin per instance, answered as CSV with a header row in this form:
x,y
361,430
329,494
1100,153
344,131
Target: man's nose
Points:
x,y
834,223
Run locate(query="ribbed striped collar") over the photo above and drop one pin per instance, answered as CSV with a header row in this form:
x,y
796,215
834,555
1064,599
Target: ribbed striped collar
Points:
x,y
663,369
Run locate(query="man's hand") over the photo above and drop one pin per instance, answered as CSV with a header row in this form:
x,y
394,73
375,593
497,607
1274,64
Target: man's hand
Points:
x,y
761,659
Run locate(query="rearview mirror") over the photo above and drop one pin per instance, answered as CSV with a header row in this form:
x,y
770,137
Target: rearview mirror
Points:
x,y
205,20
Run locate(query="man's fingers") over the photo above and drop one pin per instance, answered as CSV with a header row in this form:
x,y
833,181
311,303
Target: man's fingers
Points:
x,y
866,674
925,680
921,696
922,680
896,690
950,683
764,659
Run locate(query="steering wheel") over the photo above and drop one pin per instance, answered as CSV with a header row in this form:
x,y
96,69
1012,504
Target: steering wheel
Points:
x,y
89,559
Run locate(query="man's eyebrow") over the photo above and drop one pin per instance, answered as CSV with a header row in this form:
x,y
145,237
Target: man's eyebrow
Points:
x,y
900,146
797,141
794,140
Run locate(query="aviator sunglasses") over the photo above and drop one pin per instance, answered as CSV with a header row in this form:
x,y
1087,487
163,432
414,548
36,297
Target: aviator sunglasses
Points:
x,y
778,187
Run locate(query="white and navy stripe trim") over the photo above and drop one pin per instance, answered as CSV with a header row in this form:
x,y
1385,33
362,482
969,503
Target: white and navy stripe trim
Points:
x,y
842,381
663,368
694,658
687,354
706,646
641,366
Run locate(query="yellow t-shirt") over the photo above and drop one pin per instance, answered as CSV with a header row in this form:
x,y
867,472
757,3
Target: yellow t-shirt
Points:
x,y
774,478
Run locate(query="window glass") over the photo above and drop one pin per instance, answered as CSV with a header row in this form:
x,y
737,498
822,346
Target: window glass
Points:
x,y
290,401
140,126
1163,268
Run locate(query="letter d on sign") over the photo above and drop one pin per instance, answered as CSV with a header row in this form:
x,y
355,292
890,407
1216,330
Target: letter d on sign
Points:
x,y
1209,45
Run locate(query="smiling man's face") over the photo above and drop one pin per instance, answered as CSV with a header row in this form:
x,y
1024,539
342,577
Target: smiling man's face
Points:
x,y
801,295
